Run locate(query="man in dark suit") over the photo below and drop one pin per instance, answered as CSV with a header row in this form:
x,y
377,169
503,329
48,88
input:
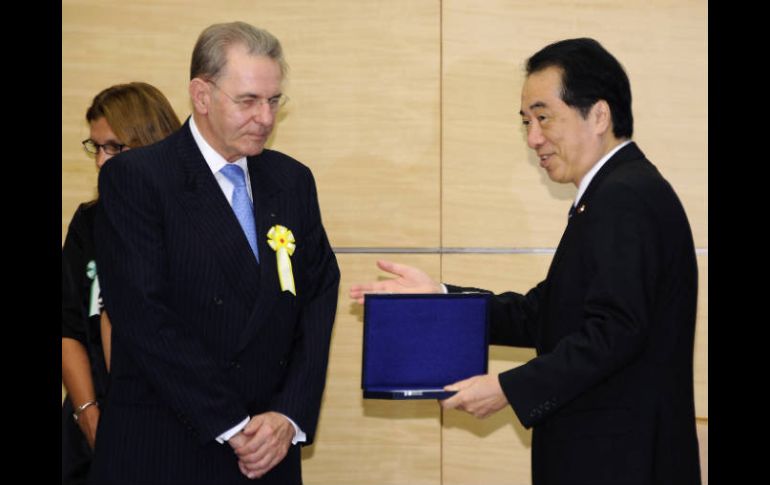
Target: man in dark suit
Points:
x,y
222,288
610,394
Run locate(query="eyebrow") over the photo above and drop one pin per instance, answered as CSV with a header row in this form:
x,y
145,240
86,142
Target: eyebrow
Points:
x,y
113,141
537,104
255,96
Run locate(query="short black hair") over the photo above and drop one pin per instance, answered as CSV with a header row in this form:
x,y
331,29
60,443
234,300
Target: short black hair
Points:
x,y
589,73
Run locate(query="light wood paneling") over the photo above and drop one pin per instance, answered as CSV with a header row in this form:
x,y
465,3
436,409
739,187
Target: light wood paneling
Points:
x,y
365,76
370,441
489,175
495,450
106,42
703,445
363,83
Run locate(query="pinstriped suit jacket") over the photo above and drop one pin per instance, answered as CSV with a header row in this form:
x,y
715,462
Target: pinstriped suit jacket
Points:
x,y
202,334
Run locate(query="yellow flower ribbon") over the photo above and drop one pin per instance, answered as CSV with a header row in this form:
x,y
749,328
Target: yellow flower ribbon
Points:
x,y
282,241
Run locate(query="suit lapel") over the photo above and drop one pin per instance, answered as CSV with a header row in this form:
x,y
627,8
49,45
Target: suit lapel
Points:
x,y
268,202
208,209
626,154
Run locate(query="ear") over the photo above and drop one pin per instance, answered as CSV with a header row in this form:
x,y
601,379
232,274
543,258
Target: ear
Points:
x,y
200,95
601,117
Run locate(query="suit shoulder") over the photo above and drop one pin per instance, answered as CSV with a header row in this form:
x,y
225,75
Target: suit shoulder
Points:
x,y
84,209
282,161
638,176
638,187
145,159
285,169
83,218
87,211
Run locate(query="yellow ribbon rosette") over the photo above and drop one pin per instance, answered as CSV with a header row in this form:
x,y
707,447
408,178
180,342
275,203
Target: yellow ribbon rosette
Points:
x,y
282,241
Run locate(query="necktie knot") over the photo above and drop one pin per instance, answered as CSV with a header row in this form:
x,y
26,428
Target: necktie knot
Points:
x,y
234,174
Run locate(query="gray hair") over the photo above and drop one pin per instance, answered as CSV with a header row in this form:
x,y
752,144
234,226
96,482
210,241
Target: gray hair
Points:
x,y
210,53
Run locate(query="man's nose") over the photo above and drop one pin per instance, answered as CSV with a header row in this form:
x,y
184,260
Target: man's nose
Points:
x,y
534,135
264,113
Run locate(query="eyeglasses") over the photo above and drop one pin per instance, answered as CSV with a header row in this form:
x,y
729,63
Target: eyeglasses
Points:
x,y
92,147
249,102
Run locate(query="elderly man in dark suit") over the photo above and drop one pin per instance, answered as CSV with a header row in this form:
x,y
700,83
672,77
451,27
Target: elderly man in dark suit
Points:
x,y
610,394
221,285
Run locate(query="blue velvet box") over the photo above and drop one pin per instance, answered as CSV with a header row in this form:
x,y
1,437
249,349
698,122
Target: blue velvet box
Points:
x,y
415,344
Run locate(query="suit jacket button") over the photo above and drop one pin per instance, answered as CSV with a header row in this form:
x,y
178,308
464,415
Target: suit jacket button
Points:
x,y
218,300
282,363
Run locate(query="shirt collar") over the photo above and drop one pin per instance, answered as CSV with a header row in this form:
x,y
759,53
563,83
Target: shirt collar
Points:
x,y
214,160
594,170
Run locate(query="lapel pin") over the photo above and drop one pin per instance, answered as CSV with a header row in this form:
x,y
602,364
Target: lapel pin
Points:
x,y
581,209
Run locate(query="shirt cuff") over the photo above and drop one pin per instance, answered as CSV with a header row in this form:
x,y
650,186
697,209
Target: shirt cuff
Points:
x,y
233,431
444,288
299,435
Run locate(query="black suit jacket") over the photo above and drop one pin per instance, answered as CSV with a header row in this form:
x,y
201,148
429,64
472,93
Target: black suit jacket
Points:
x,y
203,335
610,393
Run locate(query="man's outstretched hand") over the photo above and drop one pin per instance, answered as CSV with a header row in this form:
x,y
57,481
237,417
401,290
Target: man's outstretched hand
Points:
x,y
408,280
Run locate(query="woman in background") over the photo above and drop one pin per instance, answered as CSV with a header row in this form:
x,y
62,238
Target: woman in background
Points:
x,y
120,117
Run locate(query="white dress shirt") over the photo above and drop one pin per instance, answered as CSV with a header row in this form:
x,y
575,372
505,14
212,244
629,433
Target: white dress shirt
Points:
x,y
586,181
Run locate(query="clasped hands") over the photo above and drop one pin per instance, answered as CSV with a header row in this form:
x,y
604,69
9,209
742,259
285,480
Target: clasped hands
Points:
x,y
479,395
262,443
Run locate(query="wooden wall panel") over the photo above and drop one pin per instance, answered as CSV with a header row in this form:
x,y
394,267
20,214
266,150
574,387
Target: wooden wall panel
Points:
x,y
492,184
363,83
370,441
496,450
108,42
703,444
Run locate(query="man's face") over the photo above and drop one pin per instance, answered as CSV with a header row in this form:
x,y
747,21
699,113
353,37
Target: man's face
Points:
x,y
239,116
566,144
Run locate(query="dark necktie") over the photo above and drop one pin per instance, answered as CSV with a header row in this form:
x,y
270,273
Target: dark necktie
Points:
x,y
242,206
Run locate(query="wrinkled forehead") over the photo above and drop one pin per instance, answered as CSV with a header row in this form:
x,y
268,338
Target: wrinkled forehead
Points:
x,y
258,75
239,61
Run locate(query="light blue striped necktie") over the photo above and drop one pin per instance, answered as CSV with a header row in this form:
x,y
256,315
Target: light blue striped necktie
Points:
x,y
242,206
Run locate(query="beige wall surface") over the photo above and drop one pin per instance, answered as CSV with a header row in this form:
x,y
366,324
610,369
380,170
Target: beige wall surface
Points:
x,y
489,174
363,87
370,441
407,113
495,450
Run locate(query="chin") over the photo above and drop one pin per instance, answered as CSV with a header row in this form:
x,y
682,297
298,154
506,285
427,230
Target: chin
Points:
x,y
253,150
556,177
